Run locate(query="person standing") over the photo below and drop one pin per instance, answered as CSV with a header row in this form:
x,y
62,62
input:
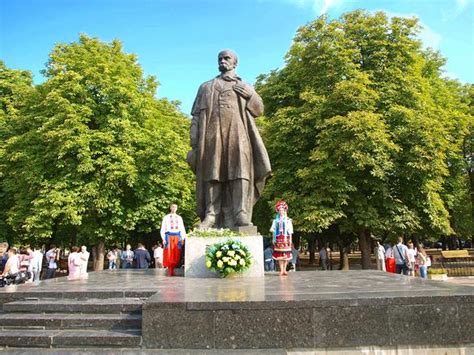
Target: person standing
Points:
x,y
51,256
127,257
112,256
158,256
85,260
74,263
411,259
294,258
282,229
173,235
422,259
380,255
268,259
400,252
323,258
228,155
142,257
36,264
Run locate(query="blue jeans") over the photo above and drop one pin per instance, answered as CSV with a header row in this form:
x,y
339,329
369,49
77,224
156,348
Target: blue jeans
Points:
x,y
270,265
112,265
50,273
423,271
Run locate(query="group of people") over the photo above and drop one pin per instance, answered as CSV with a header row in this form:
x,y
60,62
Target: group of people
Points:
x,y
77,263
128,258
167,255
26,264
403,259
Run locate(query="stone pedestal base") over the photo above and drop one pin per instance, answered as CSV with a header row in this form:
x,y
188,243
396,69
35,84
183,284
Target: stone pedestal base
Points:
x,y
245,230
195,259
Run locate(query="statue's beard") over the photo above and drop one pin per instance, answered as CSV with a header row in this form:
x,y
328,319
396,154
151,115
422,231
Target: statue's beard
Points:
x,y
224,68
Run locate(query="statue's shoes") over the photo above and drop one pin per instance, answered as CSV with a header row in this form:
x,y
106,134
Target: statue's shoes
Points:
x,y
208,222
242,219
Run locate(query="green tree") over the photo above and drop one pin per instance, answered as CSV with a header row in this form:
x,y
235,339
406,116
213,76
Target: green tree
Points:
x,y
96,157
16,87
358,131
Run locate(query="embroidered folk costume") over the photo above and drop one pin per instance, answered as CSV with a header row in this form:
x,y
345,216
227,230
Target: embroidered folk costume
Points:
x,y
282,229
173,234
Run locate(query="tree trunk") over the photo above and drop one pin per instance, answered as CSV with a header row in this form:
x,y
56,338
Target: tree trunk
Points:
x,y
365,249
98,254
344,257
312,248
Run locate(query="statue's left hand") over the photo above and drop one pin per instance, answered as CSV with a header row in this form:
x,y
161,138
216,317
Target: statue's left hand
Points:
x,y
191,159
243,90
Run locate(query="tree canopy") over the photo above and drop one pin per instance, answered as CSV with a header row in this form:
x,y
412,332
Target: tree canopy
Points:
x,y
91,153
364,132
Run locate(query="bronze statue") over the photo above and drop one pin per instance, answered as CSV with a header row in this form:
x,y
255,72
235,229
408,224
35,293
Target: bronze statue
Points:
x,y
228,155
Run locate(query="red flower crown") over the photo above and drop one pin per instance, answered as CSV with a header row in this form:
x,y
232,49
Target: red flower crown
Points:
x,y
281,204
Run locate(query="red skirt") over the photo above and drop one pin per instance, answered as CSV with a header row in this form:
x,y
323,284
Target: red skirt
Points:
x,y
282,248
172,252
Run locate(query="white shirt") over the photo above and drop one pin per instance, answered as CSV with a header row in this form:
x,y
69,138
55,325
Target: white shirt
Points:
x,y
158,253
400,253
411,255
37,262
51,257
389,253
85,259
172,223
14,263
380,252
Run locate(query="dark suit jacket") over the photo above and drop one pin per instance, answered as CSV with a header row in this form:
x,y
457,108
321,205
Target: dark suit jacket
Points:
x,y
142,258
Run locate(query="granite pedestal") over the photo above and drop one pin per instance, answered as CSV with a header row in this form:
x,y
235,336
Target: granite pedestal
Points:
x,y
195,259
309,310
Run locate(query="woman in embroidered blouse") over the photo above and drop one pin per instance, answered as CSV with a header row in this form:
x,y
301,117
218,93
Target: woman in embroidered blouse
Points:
x,y
173,235
282,229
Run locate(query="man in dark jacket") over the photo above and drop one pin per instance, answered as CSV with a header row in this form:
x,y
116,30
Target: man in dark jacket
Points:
x,y
142,257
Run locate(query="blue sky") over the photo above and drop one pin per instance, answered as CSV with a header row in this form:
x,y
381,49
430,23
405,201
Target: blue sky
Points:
x,y
178,40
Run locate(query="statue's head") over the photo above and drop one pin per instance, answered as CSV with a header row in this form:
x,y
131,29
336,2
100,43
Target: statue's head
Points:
x,y
227,60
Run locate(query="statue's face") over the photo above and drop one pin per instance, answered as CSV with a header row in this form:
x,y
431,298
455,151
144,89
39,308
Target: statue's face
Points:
x,y
226,61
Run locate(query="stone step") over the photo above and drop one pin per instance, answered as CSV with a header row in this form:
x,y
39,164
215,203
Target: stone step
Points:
x,y
102,305
70,338
69,321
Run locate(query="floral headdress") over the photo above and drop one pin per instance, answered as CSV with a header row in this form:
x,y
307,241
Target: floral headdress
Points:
x,y
281,204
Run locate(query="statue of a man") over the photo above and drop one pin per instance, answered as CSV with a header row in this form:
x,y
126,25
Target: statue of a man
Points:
x,y
228,156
